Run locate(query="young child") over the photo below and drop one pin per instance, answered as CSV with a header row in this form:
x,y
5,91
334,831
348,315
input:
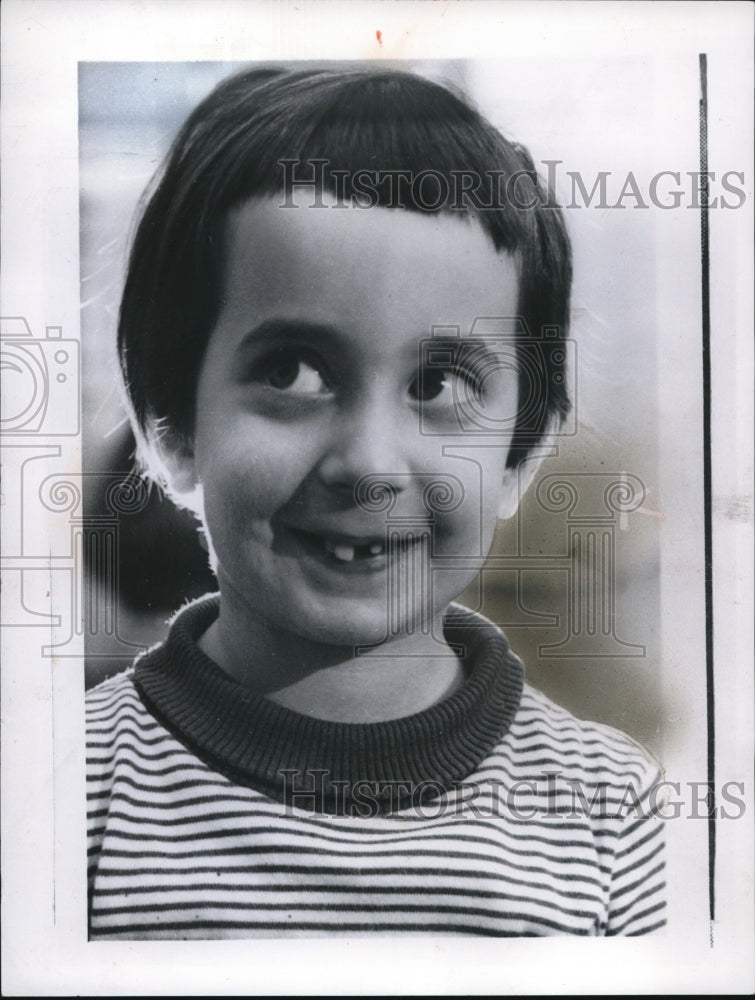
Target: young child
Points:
x,y
331,338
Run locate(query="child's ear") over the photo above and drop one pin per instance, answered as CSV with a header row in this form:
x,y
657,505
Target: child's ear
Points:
x,y
518,480
179,468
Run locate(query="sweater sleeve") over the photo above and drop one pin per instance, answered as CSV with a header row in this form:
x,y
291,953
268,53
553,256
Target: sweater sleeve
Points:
x,y
637,902
104,707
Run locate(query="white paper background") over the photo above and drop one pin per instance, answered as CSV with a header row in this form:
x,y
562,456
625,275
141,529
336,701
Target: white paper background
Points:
x,y
44,927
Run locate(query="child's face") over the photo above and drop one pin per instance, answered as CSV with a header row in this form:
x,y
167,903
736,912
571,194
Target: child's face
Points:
x,y
311,381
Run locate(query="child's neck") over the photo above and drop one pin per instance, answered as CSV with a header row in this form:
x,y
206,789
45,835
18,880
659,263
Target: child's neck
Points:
x,y
396,679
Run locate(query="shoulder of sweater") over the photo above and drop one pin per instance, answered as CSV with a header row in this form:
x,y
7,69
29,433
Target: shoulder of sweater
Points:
x,y
575,743
104,688
111,697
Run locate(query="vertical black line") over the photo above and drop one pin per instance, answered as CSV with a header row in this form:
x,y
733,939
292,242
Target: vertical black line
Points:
x,y
707,480
54,801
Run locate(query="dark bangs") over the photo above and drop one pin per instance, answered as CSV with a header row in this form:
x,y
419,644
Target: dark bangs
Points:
x,y
371,136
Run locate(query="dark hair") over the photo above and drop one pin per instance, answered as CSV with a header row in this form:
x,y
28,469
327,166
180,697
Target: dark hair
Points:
x,y
231,148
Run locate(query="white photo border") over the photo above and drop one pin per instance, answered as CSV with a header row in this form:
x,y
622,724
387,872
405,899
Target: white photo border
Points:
x,y
45,947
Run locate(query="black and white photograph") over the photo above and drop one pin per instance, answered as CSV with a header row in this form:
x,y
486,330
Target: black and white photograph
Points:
x,y
377,498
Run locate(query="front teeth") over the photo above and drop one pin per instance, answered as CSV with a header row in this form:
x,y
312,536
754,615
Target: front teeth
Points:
x,y
347,553
344,552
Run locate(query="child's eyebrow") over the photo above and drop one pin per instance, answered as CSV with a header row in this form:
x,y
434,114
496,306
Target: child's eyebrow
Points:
x,y
462,349
273,331
282,330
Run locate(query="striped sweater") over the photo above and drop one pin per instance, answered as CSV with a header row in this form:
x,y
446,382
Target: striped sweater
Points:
x,y
215,813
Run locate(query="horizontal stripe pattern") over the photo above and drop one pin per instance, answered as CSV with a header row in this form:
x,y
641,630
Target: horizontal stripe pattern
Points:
x,y
555,832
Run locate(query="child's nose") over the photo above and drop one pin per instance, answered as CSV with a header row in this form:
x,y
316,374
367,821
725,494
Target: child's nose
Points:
x,y
370,441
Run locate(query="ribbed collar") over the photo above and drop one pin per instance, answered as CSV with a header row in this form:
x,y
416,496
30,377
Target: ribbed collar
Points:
x,y
260,744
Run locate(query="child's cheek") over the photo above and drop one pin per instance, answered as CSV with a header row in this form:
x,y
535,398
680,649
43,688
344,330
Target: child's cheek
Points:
x,y
477,479
244,485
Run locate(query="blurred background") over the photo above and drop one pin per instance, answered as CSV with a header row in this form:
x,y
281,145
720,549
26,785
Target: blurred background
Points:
x,y
574,578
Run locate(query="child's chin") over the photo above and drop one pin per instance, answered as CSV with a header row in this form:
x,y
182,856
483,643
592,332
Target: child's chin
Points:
x,y
357,631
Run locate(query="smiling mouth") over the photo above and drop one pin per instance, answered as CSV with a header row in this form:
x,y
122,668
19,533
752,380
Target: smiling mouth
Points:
x,y
343,551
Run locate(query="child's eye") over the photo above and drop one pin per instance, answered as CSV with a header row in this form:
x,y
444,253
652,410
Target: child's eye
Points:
x,y
432,383
289,371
